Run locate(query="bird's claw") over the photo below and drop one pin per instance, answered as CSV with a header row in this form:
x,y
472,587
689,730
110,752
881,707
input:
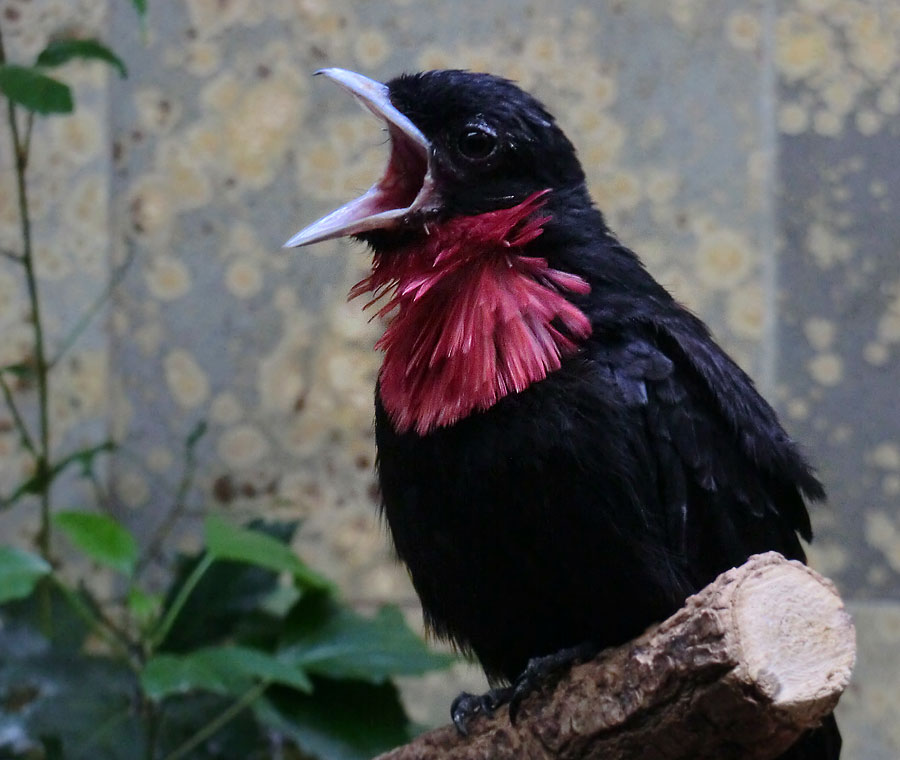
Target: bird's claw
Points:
x,y
540,669
536,674
467,706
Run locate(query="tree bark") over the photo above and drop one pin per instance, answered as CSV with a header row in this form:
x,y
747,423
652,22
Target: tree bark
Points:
x,y
746,666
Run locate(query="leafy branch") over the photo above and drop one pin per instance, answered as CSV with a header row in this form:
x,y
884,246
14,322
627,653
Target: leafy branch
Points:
x,y
28,88
247,642
35,92
310,657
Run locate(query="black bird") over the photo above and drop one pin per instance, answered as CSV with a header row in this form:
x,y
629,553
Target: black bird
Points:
x,y
564,452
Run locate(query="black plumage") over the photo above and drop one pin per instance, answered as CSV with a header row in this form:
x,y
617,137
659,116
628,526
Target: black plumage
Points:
x,y
593,502
590,504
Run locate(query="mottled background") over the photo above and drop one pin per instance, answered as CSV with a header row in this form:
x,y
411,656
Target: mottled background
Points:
x,y
750,151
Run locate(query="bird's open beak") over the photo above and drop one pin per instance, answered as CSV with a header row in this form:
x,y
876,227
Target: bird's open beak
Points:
x,y
407,183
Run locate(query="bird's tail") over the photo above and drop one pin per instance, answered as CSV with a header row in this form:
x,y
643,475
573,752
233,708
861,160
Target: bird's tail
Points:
x,y
821,743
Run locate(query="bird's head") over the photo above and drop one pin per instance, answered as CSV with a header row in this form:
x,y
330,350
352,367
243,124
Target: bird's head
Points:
x,y
480,306
461,144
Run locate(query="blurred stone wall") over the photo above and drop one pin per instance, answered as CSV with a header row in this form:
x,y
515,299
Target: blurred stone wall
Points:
x,y
749,151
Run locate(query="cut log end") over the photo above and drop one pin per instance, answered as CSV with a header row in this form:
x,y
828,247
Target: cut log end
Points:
x,y
797,639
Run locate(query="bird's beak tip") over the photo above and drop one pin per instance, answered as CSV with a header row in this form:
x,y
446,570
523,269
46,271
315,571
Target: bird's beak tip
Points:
x,y
295,241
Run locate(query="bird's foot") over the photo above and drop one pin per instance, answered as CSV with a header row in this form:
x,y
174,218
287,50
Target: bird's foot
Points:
x,y
467,706
541,669
536,674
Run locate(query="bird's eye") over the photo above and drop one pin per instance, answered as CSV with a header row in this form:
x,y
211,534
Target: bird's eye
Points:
x,y
477,142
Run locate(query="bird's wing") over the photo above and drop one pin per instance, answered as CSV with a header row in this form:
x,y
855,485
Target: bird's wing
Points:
x,y
727,480
760,436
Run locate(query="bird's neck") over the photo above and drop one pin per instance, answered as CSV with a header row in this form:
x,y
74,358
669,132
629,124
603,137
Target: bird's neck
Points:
x,y
472,318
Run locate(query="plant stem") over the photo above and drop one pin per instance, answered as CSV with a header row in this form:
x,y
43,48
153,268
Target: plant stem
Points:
x,y
20,152
231,712
102,731
85,319
99,492
108,632
179,507
152,723
17,417
192,580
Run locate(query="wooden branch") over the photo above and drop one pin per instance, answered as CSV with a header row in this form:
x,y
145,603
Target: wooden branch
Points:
x,y
745,667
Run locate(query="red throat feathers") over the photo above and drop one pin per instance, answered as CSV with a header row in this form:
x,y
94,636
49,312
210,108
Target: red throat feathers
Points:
x,y
471,318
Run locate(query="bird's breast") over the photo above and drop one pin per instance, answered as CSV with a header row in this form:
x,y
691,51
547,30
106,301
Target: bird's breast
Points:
x,y
489,329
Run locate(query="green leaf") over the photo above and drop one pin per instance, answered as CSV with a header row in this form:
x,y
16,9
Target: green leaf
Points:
x,y
64,700
140,6
198,431
61,51
167,674
281,601
331,640
19,572
86,707
342,720
100,537
22,370
229,597
52,746
222,670
144,607
227,541
35,91
69,629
